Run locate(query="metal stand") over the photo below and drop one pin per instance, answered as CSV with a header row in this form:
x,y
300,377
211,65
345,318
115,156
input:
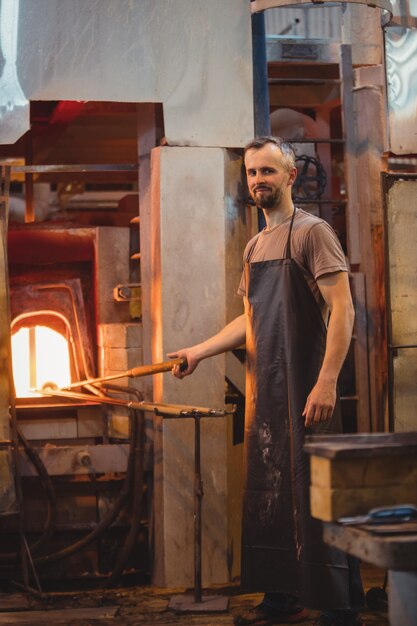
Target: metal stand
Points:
x,y
197,603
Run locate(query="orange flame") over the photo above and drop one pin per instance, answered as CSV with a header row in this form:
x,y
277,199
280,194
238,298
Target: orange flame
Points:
x,y
40,355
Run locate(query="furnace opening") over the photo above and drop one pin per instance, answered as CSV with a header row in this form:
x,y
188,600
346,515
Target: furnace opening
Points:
x,y
40,355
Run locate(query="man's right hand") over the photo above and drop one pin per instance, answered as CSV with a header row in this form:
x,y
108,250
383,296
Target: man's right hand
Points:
x,y
231,336
190,354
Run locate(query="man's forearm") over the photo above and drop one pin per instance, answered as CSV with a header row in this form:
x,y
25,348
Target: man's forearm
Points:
x,y
339,334
322,398
231,336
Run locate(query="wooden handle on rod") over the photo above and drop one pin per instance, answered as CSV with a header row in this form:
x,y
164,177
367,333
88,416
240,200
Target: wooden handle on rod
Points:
x,y
156,368
142,370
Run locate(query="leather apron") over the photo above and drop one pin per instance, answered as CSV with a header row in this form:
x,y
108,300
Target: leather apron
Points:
x,y
282,547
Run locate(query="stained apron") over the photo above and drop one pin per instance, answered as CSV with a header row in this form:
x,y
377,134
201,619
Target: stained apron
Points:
x,y
282,547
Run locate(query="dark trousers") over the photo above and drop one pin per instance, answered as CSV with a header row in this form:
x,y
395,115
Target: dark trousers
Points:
x,y
287,602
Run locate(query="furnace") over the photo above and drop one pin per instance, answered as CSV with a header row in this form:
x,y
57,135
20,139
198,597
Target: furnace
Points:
x,y
75,313
66,326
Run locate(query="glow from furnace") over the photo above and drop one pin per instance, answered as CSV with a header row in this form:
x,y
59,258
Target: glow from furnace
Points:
x,y
40,355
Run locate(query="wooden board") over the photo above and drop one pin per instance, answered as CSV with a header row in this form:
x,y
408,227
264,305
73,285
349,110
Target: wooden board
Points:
x,y
57,617
331,504
363,472
371,143
396,552
360,344
16,601
354,446
400,201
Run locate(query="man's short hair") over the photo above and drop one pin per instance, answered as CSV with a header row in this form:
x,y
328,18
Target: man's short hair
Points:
x,y
286,148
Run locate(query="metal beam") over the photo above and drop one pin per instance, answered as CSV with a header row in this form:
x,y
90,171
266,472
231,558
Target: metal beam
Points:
x,y
57,169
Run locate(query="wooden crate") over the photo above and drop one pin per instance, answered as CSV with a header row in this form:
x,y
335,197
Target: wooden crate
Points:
x,y
351,474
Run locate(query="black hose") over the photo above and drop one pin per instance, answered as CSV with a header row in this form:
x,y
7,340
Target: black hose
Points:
x,y
107,520
133,475
137,487
37,462
49,527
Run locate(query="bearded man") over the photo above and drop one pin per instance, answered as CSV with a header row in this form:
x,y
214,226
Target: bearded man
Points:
x,y
297,327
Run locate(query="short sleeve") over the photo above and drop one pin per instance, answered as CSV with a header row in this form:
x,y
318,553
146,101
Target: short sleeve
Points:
x,y
323,251
241,290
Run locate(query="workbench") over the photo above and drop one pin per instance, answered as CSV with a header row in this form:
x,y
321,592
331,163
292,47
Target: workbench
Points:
x,y
351,474
396,553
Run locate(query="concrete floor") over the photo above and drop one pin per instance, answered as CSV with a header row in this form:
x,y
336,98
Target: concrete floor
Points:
x,y
148,606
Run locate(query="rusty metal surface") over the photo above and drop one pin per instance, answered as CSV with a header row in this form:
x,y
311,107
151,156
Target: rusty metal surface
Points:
x,y
79,460
44,244
401,280
60,306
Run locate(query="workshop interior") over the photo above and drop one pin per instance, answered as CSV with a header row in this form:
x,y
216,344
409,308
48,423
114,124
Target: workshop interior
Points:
x,y
124,216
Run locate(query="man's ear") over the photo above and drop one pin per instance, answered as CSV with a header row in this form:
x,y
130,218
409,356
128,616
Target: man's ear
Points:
x,y
293,176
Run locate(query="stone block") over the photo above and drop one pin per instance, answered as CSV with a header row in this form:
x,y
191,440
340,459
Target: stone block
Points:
x,y
64,428
118,359
120,335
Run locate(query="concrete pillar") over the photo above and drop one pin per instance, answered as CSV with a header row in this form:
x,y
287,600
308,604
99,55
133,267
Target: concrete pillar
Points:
x,y
402,598
189,206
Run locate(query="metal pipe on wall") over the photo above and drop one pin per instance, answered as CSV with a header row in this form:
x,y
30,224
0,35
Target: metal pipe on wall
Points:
x,y
8,433
260,76
262,122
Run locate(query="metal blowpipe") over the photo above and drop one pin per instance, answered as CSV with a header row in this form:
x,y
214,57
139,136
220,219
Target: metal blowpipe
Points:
x,y
142,370
160,408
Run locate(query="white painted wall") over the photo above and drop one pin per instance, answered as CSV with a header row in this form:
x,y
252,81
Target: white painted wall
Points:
x,y
194,57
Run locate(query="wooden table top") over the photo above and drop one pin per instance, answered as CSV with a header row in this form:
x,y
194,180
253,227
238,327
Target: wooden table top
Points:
x,y
389,551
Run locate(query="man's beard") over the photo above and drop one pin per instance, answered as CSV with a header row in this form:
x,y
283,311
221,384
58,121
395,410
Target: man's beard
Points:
x,y
269,201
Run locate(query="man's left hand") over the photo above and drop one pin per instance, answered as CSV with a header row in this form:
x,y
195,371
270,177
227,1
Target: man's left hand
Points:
x,y
320,403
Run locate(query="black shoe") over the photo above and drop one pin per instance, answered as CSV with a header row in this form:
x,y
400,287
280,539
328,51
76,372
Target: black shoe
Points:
x,y
258,616
327,620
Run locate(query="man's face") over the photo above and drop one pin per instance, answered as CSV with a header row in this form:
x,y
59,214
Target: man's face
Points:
x,y
269,179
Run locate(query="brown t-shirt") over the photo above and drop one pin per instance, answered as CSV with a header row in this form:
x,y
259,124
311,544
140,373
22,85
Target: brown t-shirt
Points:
x,y
314,246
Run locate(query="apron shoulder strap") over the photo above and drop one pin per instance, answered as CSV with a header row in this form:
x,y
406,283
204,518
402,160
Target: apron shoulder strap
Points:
x,y
288,246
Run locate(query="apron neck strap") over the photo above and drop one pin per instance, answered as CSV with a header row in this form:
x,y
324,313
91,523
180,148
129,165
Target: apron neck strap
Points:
x,y
288,246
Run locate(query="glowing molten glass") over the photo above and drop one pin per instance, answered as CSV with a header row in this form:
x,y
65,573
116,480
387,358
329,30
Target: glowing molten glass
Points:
x,y
40,355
